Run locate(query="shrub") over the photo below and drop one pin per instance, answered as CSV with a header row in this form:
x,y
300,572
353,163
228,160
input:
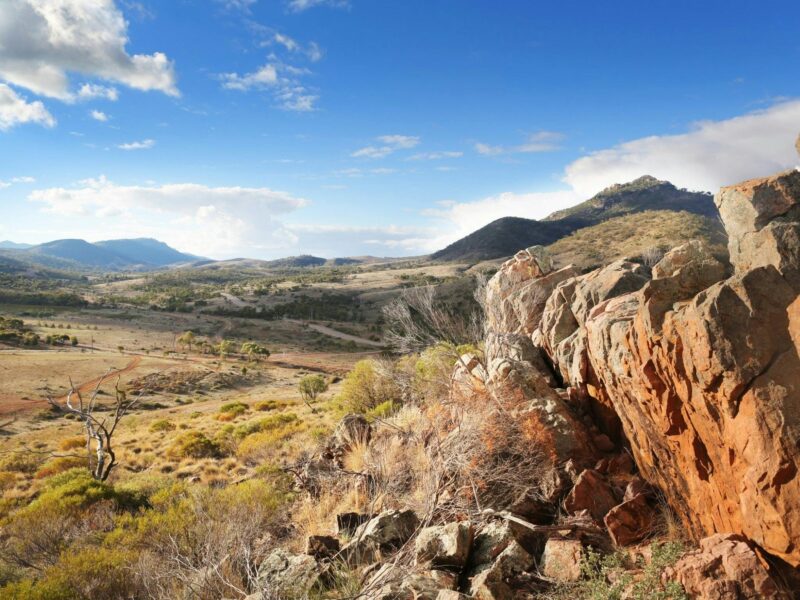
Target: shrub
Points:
x,y
7,480
193,444
72,443
261,446
21,462
234,408
162,425
366,386
312,386
60,465
383,410
266,405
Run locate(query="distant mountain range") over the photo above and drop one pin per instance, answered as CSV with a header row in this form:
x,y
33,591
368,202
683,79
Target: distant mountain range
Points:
x,y
113,255
506,236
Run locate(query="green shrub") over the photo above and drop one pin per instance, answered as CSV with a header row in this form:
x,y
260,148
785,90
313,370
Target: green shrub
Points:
x,y
365,387
21,462
60,465
383,410
234,408
162,425
193,444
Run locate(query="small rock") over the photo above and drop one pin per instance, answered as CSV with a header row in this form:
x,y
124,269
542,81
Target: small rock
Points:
x,y
562,559
593,493
347,523
385,533
603,443
322,546
444,547
630,521
491,582
451,595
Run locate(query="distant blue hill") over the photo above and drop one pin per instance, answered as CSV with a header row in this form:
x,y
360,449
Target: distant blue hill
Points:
x,y
139,254
9,245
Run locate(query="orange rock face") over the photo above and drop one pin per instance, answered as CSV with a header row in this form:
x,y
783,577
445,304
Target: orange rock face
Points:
x,y
706,378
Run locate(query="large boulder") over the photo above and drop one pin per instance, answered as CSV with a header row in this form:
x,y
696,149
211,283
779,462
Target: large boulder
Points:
x,y
592,493
705,377
725,567
631,521
561,560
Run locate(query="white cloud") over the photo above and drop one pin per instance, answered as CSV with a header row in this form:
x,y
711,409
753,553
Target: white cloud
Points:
x,y
208,221
356,172
541,141
141,145
301,5
313,52
98,115
436,155
89,91
265,76
391,143
710,155
288,93
15,110
242,5
24,179
43,41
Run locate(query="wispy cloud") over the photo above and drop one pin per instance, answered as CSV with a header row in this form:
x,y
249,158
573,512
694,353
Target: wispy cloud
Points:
x,y
141,145
301,5
390,144
282,80
436,155
541,141
98,115
90,91
16,180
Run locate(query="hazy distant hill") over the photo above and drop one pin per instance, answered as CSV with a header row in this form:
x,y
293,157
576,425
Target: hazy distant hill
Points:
x,y
304,260
111,255
9,245
506,236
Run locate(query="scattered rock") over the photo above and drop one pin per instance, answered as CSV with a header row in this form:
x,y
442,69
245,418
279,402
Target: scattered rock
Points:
x,y
593,493
725,567
631,521
445,546
561,559
492,581
380,535
451,595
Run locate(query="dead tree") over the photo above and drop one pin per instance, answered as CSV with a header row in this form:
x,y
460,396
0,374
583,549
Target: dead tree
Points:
x,y
99,422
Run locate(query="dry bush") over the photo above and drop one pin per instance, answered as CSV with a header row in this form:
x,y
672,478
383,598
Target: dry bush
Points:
x,y
72,443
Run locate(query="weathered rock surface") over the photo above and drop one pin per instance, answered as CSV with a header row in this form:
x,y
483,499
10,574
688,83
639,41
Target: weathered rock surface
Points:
x,y
382,534
631,521
561,559
322,546
725,567
491,582
517,293
706,381
444,546
593,493
287,575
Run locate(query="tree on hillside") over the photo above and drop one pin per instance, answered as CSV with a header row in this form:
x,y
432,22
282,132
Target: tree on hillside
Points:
x,y
225,347
311,386
186,340
98,428
254,351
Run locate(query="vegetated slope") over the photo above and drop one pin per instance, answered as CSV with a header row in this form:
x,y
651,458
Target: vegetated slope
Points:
x,y
631,235
506,236
147,251
80,252
502,237
304,260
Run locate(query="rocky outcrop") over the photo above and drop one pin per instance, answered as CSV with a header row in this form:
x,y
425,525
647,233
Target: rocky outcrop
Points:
x,y
287,575
705,376
444,546
725,567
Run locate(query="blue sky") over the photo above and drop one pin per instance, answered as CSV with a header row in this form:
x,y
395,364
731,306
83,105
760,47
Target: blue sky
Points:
x,y
265,128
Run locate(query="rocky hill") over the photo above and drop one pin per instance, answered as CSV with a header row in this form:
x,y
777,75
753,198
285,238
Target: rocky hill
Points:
x,y
648,415
505,236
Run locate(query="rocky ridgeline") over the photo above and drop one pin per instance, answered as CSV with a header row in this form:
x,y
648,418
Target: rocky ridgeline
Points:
x,y
677,383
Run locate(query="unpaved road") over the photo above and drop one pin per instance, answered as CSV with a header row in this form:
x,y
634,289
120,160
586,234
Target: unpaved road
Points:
x,y
338,334
237,302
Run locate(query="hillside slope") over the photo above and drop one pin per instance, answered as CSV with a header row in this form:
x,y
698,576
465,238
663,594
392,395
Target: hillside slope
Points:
x,y
506,236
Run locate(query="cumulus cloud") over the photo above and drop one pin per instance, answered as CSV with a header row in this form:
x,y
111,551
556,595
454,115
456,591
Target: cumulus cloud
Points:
x,y
390,143
141,145
98,115
209,221
710,155
15,110
265,76
89,91
43,41
541,141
